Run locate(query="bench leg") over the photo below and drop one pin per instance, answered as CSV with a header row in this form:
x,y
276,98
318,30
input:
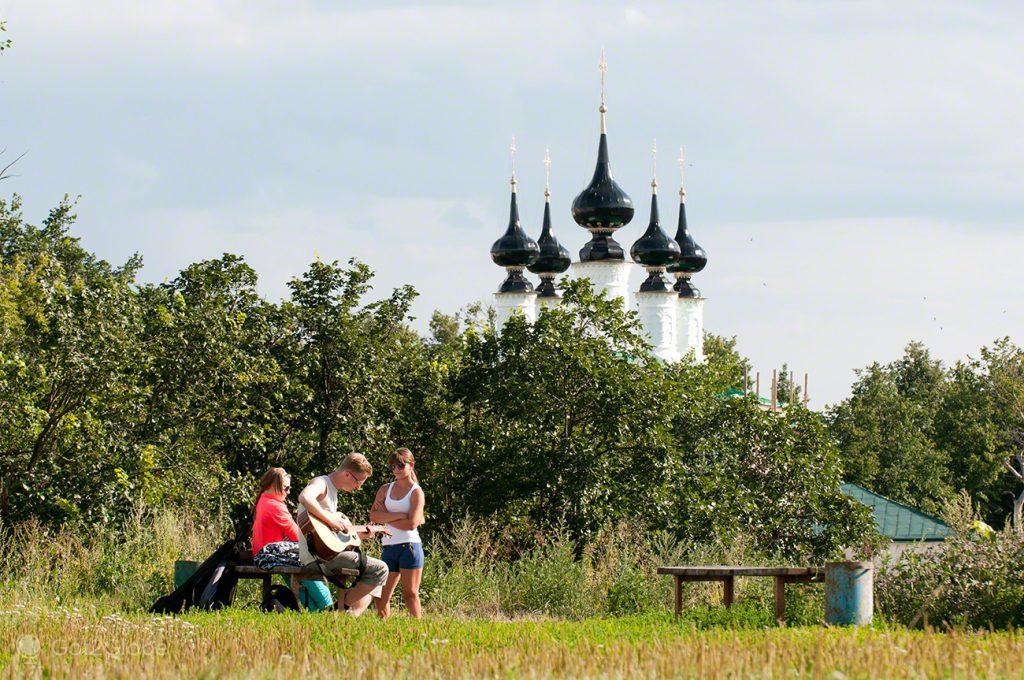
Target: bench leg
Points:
x,y
266,587
679,596
293,582
729,590
780,600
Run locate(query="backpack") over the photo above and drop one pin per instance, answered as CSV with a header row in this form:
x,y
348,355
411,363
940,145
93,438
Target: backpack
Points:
x,y
219,589
279,599
213,585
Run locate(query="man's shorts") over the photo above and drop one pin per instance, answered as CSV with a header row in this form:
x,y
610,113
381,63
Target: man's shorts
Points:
x,y
403,556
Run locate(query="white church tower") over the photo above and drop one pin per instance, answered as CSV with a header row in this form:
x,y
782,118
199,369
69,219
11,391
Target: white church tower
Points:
x,y
692,259
672,318
656,300
554,257
515,251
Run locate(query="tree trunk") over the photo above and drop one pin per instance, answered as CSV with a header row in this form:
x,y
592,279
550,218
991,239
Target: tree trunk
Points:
x,y
1018,512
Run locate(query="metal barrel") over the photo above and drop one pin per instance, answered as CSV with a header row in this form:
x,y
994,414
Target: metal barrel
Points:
x,y
849,593
183,569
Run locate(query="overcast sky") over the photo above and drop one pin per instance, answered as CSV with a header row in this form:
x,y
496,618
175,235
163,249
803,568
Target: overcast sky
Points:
x,y
855,169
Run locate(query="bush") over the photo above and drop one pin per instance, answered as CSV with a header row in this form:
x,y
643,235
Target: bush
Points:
x,y
972,580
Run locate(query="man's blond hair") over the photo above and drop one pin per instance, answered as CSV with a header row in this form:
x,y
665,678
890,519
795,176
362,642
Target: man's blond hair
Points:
x,y
356,463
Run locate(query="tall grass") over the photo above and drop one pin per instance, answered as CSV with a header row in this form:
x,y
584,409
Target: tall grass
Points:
x,y
241,644
469,572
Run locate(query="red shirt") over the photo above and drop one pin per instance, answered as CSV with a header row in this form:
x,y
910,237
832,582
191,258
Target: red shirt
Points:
x,y
273,523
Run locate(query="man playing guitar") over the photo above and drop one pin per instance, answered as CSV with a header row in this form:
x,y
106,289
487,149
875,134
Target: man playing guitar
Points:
x,y
320,500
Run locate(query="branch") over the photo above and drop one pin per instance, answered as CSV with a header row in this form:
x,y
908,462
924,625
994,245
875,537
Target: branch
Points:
x,y
3,171
1016,473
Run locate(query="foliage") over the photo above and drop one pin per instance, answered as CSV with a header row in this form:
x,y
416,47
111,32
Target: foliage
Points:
x,y
915,431
974,580
181,394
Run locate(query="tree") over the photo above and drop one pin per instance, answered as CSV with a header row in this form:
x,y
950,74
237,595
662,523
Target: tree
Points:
x,y
885,431
69,337
1005,364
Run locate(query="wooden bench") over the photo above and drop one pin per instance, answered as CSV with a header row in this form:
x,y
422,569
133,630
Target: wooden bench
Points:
x,y
295,575
727,575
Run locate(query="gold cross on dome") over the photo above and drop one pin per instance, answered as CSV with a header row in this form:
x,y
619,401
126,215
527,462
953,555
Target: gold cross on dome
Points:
x,y
682,173
547,172
512,148
603,67
654,164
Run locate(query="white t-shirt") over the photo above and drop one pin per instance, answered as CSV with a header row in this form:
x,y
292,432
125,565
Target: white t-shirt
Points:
x,y
329,503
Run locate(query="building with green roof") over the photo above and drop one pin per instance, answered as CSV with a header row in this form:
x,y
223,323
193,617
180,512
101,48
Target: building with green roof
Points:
x,y
900,523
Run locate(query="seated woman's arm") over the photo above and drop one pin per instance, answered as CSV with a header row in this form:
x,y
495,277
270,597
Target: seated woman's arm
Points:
x,y
282,518
379,512
415,517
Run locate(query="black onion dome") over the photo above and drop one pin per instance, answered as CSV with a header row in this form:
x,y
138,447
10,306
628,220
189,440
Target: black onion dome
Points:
x,y
515,248
692,258
603,204
655,248
554,257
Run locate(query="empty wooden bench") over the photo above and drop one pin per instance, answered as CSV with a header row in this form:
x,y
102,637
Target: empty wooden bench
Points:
x,y
295,575
727,575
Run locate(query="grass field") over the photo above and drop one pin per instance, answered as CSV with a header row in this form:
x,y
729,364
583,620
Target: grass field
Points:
x,y
245,643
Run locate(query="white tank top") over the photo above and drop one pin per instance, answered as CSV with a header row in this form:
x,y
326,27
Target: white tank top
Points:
x,y
399,505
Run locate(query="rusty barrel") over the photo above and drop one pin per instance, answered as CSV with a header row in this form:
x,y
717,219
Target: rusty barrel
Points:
x,y
849,593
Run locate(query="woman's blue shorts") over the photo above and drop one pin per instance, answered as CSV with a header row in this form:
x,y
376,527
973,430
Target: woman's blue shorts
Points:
x,y
403,556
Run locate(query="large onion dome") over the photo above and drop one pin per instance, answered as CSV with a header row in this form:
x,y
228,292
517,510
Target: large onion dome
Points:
x,y
655,250
554,257
603,206
515,251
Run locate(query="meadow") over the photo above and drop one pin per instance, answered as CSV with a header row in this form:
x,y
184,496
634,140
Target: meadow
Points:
x,y
69,642
74,607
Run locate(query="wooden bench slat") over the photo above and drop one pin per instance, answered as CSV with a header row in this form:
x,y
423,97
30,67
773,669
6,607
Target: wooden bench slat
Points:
x,y
723,571
245,570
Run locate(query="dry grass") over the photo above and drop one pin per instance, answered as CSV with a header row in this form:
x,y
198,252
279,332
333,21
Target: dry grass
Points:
x,y
73,643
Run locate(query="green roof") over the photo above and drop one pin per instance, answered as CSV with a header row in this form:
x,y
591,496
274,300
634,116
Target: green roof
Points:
x,y
899,522
733,392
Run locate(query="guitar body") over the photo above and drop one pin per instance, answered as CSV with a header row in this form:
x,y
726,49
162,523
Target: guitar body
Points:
x,y
326,543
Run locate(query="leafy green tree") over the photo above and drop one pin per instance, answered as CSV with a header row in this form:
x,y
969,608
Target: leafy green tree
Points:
x,y
981,423
885,431
744,471
71,331
348,359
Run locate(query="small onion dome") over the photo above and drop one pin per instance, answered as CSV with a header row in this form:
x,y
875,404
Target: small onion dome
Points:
x,y
655,250
603,205
515,248
554,257
692,258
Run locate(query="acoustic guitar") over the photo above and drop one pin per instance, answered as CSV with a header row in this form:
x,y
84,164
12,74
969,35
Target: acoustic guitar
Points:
x,y
326,543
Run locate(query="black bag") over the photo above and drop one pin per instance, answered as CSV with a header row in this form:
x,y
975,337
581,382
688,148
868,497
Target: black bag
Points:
x,y
279,599
189,593
213,585
219,590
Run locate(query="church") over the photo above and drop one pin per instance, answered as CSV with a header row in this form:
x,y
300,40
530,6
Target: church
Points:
x,y
672,315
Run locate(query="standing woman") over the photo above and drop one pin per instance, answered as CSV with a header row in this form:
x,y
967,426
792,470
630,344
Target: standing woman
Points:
x,y
400,506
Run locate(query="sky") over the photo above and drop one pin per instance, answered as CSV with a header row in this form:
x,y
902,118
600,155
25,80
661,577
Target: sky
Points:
x,y
855,170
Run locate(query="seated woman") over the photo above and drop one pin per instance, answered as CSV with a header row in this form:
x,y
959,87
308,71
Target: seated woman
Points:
x,y
275,536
